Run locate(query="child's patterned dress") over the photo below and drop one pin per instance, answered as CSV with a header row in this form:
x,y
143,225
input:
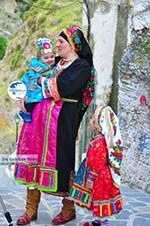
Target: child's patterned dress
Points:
x,y
96,185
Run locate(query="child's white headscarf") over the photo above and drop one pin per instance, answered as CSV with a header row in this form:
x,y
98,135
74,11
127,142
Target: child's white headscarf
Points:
x,y
107,123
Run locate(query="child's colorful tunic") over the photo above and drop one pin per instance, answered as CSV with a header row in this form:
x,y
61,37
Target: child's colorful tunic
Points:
x,y
96,185
35,69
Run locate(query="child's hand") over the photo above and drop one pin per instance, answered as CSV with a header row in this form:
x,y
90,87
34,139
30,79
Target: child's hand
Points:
x,y
39,81
43,74
20,104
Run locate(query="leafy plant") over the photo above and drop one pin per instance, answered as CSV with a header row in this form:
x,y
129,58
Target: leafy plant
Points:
x,y
3,46
25,6
20,74
16,58
146,46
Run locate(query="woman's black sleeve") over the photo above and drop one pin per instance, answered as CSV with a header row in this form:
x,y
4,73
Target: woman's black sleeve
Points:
x,y
72,79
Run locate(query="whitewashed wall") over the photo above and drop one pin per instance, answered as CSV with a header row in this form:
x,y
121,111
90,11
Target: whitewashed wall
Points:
x,y
103,29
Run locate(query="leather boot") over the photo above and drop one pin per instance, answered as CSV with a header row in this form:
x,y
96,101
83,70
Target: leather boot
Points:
x,y
67,213
32,203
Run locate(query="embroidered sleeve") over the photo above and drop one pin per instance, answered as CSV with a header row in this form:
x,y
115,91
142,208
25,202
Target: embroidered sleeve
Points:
x,y
50,89
110,128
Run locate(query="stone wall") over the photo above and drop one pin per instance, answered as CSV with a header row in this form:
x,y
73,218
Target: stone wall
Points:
x,y
132,77
9,18
134,98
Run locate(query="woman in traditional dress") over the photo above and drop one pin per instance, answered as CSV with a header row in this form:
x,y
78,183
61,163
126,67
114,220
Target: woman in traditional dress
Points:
x,y
97,184
46,147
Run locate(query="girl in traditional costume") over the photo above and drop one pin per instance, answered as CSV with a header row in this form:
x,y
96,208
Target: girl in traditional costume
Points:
x,y
43,65
49,140
97,184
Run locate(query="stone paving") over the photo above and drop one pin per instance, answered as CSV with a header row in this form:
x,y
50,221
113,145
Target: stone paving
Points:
x,y
136,210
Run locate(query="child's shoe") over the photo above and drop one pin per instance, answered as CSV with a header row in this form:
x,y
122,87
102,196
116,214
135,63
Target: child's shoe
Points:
x,y
26,116
104,223
93,223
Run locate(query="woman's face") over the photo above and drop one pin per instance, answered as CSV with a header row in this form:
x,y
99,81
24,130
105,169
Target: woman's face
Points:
x,y
63,47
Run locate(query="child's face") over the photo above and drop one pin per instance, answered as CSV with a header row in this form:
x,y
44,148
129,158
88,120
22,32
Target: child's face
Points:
x,y
92,122
48,58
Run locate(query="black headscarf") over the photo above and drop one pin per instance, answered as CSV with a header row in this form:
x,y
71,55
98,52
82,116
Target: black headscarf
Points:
x,y
75,37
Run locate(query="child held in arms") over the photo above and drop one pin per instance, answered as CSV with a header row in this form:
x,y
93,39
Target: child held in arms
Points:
x,y
41,65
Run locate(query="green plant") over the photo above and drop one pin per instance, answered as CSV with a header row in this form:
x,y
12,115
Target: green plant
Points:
x,y
16,58
3,46
20,74
23,7
146,46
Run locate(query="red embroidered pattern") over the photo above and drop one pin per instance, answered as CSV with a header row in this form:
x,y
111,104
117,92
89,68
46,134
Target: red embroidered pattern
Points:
x,y
54,88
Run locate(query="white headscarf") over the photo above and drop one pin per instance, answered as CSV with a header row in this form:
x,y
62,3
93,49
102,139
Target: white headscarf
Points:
x,y
107,123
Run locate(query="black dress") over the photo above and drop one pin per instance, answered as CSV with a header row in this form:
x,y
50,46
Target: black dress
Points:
x,y
71,84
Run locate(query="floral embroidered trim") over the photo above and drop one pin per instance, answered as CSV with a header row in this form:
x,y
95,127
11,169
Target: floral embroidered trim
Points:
x,y
116,157
69,39
46,89
89,92
114,122
44,45
54,88
73,38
